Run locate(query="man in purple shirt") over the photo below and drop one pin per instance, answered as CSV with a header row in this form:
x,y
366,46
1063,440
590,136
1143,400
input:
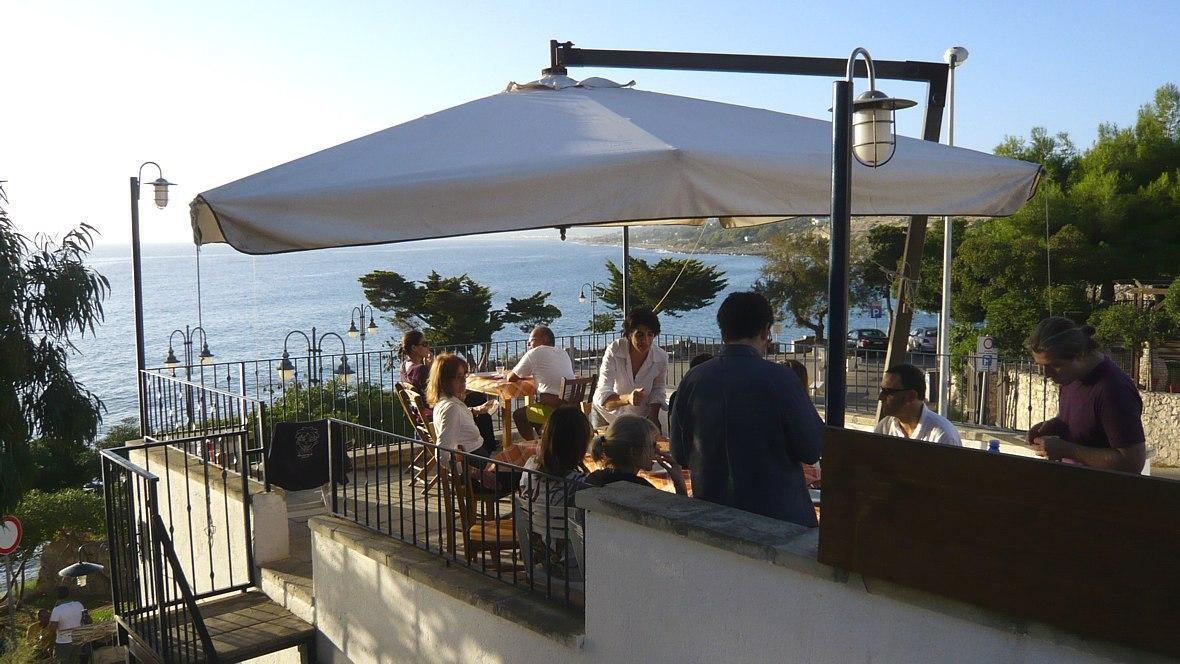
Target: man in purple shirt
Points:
x,y
1099,418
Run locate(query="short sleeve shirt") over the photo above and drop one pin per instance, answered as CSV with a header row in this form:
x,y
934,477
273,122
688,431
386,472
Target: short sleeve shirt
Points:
x,y
548,365
68,617
1102,409
932,428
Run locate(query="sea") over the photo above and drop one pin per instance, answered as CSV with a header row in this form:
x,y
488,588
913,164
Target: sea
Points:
x,y
247,304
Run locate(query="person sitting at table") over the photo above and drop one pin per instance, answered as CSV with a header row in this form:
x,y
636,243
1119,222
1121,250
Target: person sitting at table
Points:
x,y
548,485
415,371
904,412
454,420
1099,421
633,371
628,447
549,365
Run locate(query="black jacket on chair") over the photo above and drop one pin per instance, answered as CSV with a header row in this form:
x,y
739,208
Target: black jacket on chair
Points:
x,y
297,457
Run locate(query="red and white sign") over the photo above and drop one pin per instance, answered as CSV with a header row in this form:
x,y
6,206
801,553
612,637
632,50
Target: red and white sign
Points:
x,y
10,532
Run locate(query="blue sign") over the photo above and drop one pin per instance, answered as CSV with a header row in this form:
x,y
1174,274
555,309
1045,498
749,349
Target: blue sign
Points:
x,y
875,311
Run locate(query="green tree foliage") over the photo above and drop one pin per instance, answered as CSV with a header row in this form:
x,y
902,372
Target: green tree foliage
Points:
x,y
877,262
50,515
363,404
694,289
452,310
928,293
1130,326
601,324
1172,301
47,295
117,436
795,280
62,464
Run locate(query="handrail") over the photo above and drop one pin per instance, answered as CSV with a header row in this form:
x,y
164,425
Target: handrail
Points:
x,y
188,383
162,539
127,463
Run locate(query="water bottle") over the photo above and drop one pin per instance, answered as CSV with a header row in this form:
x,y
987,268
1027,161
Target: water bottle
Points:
x,y
993,446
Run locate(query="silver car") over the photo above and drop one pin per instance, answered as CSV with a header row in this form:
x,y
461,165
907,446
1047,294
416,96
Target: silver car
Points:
x,y
923,340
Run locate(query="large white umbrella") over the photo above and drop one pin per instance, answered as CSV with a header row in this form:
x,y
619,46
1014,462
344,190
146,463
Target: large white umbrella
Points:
x,y
558,153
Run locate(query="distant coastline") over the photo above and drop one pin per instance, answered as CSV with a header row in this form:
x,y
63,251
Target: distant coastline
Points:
x,y
675,247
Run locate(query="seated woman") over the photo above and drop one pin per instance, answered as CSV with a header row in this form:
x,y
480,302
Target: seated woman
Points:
x,y
454,421
633,371
415,371
628,447
547,505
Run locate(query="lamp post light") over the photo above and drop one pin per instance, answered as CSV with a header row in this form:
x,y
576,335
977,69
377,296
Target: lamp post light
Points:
x,y
595,287
288,371
80,570
954,57
160,186
864,129
188,337
362,331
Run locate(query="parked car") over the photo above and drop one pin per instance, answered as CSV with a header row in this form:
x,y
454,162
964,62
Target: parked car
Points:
x,y
923,340
868,341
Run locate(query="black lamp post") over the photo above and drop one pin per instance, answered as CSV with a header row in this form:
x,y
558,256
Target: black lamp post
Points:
x,y
595,288
862,128
160,185
287,370
188,337
362,331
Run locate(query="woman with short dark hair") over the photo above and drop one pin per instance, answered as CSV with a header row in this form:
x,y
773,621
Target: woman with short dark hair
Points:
x,y
1099,417
633,372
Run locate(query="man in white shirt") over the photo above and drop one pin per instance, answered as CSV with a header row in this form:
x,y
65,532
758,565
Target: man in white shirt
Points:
x,y
549,365
65,618
904,412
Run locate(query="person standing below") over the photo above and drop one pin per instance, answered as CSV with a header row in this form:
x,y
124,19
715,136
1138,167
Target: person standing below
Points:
x,y
904,412
633,371
549,365
63,620
1099,417
743,425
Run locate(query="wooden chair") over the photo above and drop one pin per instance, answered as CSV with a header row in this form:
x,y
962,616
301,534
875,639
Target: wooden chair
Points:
x,y
425,461
579,391
480,535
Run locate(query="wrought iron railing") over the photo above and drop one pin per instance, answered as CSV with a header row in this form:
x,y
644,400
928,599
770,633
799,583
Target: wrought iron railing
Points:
x,y
516,525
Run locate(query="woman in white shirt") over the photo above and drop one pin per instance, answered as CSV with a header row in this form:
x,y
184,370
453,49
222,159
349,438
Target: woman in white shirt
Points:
x,y
454,421
633,371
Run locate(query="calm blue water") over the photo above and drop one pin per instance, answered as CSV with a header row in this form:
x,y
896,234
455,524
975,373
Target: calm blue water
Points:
x,y
249,303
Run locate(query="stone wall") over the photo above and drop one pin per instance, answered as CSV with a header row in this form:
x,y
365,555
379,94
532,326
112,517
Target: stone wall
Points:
x,y
1031,403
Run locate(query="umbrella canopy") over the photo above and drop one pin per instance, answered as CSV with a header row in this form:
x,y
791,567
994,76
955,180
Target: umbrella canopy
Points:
x,y
556,153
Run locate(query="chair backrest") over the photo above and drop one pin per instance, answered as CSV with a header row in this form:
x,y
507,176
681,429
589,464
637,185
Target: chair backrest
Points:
x,y
578,390
415,406
462,492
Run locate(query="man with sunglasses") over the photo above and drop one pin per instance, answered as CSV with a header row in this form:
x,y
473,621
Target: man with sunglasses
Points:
x,y
904,412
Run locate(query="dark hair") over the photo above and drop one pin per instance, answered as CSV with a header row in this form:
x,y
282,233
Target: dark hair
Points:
x,y
62,592
911,377
410,339
1061,339
627,442
800,371
546,335
641,316
699,359
744,315
564,440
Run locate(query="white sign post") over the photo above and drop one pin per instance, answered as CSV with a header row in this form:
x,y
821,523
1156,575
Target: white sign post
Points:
x,y
10,534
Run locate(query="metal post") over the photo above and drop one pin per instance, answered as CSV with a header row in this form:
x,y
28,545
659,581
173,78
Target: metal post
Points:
x,y
10,579
841,222
944,318
244,466
137,282
626,266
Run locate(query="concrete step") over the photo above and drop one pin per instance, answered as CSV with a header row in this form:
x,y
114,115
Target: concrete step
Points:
x,y
288,583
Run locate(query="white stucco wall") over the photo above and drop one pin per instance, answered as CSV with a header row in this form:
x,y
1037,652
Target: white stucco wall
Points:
x,y
368,613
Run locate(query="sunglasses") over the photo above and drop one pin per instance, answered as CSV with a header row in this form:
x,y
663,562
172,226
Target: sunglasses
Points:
x,y
894,390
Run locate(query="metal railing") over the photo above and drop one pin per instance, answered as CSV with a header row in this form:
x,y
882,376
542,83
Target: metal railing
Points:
x,y
516,525
153,601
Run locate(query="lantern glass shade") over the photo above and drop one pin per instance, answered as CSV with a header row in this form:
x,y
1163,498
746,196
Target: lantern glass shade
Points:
x,y
372,326
873,140
582,296
343,370
352,331
206,356
171,362
286,369
160,185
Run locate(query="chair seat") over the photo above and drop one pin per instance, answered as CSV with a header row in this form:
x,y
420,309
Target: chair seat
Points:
x,y
502,532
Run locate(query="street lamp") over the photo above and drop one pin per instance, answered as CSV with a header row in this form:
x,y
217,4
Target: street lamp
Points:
x,y
954,57
160,186
80,569
863,128
188,337
288,371
355,332
595,288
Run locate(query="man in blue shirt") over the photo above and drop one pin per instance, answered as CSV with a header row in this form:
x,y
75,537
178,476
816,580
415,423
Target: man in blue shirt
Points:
x,y
743,424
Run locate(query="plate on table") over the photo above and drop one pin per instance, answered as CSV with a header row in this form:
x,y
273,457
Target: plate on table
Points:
x,y
484,374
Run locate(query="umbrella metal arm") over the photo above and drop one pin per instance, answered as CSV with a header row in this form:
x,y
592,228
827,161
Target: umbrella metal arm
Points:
x,y
563,55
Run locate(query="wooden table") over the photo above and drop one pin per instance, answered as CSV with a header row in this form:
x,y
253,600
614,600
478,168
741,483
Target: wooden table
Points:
x,y
497,387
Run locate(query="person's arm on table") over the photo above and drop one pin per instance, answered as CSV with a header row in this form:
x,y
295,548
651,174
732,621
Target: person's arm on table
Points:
x,y
1129,459
523,368
1050,427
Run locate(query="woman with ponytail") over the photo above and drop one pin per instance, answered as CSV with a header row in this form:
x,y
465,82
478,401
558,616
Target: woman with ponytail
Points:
x,y
628,447
1099,418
